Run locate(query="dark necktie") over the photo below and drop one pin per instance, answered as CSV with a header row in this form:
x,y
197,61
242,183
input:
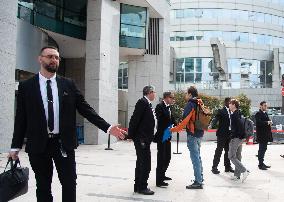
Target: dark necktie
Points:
x,y
151,105
50,106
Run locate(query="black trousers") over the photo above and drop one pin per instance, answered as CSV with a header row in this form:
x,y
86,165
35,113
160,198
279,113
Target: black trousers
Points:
x,y
222,143
143,164
261,152
42,165
163,160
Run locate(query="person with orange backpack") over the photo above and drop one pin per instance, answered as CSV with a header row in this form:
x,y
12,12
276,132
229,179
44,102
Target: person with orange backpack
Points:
x,y
194,135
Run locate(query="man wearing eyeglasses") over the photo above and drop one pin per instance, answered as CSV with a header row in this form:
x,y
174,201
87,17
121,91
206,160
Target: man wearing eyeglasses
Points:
x,y
46,114
165,119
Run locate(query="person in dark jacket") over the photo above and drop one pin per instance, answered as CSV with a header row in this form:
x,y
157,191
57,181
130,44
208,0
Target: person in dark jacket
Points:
x,y
165,119
263,133
46,114
223,133
142,128
235,146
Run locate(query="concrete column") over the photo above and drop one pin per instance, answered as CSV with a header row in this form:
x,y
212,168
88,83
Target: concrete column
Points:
x,y
276,69
102,62
150,70
8,31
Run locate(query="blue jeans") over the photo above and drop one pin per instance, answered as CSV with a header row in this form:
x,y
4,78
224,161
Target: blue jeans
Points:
x,y
193,144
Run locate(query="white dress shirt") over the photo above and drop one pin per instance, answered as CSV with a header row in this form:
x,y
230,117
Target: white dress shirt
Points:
x,y
229,113
154,114
167,105
43,91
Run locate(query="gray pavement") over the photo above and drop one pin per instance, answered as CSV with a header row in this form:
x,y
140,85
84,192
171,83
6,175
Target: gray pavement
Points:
x,y
108,176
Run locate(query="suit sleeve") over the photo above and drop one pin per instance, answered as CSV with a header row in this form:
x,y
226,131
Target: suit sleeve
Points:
x,y
136,118
159,114
259,122
20,124
87,111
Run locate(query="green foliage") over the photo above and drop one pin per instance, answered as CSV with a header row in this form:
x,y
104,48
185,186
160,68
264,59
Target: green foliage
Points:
x,y
214,103
245,104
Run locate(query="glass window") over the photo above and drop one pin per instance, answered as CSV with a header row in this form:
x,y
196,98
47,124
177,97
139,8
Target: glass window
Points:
x,y
243,15
133,15
189,64
268,74
259,17
189,77
209,13
46,9
227,36
198,77
199,37
198,65
268,40
234,66
260,39
252,16
244,37
252,38
236,36
180,64
180,77
226,14
180,13
132,31
275,19
198,13
189,13
268,18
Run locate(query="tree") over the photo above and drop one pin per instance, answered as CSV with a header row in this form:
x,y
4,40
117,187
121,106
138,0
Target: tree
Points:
x,y
245,104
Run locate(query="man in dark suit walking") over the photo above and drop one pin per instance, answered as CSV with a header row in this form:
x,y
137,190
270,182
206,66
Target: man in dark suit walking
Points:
x,y
46,115
165,119
141,129
223,116
263,133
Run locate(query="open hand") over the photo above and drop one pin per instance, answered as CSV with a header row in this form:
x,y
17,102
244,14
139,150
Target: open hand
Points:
x,y
117,132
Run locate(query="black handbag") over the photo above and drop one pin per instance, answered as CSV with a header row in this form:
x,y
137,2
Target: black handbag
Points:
x,y
13,182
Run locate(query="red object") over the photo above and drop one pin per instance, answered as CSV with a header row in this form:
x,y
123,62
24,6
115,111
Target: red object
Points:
x,y
250,140
282,91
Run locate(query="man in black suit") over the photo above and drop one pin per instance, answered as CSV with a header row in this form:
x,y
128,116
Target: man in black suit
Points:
x,y
223,116
46,115
141,129
165,119
263,133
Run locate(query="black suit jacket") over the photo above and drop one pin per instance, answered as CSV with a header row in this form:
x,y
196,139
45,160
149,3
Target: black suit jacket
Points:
x,y
263,130
30,118
237,128
142,122
223,118
164,118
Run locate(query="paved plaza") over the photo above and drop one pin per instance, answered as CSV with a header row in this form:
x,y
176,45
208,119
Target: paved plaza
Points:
x,y
108,176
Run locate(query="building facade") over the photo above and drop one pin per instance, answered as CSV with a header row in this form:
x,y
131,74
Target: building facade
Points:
x,y
94,37
228,47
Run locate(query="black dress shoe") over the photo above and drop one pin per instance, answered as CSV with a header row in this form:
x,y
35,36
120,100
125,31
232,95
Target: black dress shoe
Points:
x,y
162,184
266,166
146,191
167,178
215,171
262,167
231,170
195,185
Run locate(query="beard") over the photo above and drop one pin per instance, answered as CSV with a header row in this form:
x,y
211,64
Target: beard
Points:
x,y
51,68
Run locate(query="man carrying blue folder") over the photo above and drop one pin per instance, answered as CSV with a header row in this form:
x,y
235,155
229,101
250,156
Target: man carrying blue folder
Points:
x,y
163,138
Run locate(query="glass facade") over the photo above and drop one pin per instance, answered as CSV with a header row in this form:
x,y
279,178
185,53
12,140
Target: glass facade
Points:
x,y
231,14
227,36
123,76
61,16
133,24
241,73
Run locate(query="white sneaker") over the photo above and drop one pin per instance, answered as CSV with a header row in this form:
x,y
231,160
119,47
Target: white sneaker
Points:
x,y
245,175
235,178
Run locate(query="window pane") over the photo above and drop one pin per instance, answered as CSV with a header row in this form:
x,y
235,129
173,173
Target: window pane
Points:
x,y
189,77
132,31
267,18
198,67
133,15
189,13
180,77
260,17
198,77
180,13
189,64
